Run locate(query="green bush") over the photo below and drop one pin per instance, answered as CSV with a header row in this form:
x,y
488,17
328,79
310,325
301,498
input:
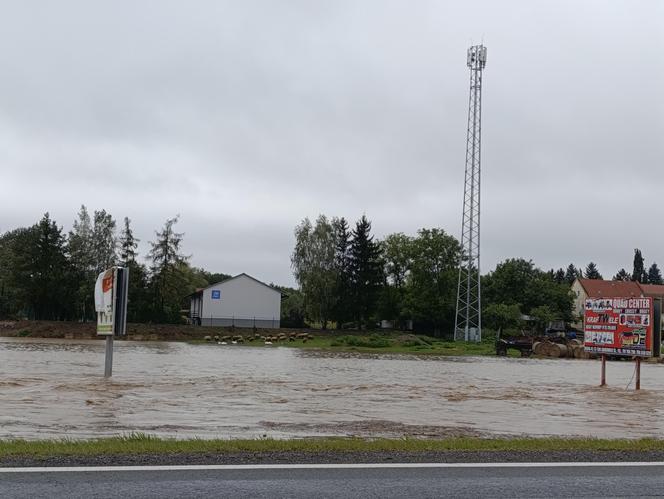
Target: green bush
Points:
x,y
373,341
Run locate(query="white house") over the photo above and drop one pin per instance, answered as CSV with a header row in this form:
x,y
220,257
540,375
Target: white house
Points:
x,y
240,301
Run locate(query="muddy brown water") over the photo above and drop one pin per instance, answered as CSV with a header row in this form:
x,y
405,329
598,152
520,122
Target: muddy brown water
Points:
x,y
55,389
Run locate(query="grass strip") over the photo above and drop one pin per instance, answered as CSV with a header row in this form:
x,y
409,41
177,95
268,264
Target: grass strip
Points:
x,y
363,344
146,444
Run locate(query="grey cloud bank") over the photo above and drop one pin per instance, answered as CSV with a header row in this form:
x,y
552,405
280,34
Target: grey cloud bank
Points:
x,y
245,117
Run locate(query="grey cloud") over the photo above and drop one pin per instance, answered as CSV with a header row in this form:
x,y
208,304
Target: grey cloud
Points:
x,y
246,117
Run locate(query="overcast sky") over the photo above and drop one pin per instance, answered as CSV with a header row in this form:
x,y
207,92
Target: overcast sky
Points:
x,y
245,117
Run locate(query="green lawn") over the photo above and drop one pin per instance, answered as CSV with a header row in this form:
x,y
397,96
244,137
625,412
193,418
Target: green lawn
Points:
x,y
385,343
145,444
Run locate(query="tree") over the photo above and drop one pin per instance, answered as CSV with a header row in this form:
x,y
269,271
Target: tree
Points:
x,y
80,242
212,277
139,304
559,276
292,307
314,268
42,273
500,316
104,242
431,284
91,246
518,281
572,273
168,272
622,275
592,272
342,311
654,275
128,243
542,315
366,273
80,248
397,256
12,304
638,272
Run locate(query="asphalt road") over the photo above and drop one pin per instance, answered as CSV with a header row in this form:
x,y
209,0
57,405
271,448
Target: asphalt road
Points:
x,y
394,480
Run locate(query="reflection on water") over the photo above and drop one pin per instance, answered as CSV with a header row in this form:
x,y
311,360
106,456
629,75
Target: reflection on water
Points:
x,y
55,388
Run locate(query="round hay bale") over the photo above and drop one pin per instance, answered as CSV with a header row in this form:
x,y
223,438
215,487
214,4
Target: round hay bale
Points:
x,y
574,342
537,348
561,350
548,349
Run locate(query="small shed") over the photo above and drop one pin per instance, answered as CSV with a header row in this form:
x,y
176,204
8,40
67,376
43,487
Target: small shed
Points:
x,y
240,301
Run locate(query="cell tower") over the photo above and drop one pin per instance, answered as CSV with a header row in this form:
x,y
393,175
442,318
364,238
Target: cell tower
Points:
x,y
468,322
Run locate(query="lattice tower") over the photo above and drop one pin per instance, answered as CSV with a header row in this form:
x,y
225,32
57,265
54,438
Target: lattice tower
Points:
x,y
468,322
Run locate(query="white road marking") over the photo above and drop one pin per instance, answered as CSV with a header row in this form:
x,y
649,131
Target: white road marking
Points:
x,y
204,467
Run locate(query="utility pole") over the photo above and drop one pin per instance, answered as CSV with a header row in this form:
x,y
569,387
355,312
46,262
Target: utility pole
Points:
x,y
468,322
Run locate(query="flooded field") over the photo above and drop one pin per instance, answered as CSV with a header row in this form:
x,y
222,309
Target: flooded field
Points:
x,y
55,388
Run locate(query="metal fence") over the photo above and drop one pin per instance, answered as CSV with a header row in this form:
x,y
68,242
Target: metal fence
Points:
x,y
235,321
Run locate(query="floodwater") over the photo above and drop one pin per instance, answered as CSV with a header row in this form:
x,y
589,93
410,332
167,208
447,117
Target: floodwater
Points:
x,y
55,389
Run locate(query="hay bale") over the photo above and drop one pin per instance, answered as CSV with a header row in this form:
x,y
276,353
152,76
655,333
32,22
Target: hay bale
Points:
x,y
547,349
537,348
574,342
561,350
555,350
585,355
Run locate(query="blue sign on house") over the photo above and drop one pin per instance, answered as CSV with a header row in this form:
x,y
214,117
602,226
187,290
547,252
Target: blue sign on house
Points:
x,y
216,294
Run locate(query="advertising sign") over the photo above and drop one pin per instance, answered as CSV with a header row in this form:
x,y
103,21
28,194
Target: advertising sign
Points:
x,y
619,326
216,294
111,291
105,302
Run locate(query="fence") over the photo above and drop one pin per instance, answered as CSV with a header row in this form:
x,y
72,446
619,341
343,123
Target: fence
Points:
x,y
235,321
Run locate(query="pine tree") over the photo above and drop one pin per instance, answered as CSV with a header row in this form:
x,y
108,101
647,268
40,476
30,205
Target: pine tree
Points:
x,y
559,276
638,272
43,272
622,275
138,305
572,273
342,310
166,271
654,275
366,271
128,243
592,272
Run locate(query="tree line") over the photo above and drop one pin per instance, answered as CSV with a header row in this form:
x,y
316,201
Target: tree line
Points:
x,y
347,278
639,273
49,275
350,279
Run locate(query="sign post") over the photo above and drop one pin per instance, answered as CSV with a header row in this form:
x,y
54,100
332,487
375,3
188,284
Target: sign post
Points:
x,y
622,327
111,291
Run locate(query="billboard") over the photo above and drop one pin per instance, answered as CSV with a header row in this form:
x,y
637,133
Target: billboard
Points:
x,y
619,326
104,302
111,291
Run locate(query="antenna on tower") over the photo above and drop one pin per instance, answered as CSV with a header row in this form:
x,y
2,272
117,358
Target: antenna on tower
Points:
x,y
468,321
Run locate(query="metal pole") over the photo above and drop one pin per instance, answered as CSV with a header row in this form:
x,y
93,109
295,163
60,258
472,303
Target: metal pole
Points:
x,y
638,373
108,368
603,381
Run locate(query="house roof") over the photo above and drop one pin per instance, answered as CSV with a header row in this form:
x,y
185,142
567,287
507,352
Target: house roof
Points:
x,y
597,288
200,290
655,290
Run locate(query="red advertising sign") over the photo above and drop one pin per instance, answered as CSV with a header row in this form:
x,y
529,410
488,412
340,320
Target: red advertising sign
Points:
x,y
619,326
